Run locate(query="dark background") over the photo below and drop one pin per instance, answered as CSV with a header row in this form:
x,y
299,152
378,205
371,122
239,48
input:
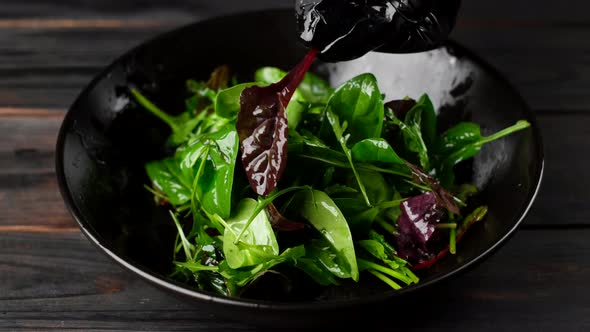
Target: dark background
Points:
x,y
52,277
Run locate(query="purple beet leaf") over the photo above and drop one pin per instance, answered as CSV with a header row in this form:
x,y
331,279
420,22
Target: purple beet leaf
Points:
x,y
262,128
400,107
416,226
444,198
280,222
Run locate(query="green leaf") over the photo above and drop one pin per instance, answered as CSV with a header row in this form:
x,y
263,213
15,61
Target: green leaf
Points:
x,y
166,176
378,190
359,103
316,270
381,250
319,209
209,161
295,111
339,129
465,148
428,119
323,253
182,125
242,276
269,75
412,134
456,137
257,243
312,89
227,103
375,150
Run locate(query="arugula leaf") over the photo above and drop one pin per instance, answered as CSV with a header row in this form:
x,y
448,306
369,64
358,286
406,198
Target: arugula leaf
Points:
x,y
181,125
398,266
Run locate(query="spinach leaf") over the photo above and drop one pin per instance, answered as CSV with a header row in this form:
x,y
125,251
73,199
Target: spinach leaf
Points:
x,y
377,188
463,142
322,252
411,132
257,243
319,209
208,163
236,278
167,177
316,270
454,138
375,150
227,102
269,75
339,130
315,90
312,89
359,103
263,129
427,119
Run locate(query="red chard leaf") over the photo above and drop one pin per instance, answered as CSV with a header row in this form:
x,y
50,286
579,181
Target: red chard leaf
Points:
x,y
280,222
262,128
477,215
400,107
416,226
443,196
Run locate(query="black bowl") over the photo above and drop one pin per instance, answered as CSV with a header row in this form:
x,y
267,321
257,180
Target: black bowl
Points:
x,y
105,140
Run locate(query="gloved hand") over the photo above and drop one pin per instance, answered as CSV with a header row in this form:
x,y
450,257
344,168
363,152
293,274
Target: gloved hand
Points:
x,y
347,29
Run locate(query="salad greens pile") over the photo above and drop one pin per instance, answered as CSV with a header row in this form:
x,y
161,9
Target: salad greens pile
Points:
x,y
337,183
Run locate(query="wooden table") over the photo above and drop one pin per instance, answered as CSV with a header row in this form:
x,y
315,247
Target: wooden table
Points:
x,y
52,277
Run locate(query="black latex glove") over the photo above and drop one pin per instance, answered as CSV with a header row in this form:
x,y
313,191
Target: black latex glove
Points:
x,y
347,29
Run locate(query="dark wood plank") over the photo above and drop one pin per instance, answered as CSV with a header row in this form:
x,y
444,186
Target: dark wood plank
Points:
x,y
27,143
136,8
564,195
499,10
42,64
62,281
29,196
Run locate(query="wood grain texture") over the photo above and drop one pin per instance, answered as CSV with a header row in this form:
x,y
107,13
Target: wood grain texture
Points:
x,y
61,281
45,60
52,278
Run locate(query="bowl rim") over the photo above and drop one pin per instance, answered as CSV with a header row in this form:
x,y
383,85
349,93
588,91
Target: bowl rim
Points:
x,y
177,288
